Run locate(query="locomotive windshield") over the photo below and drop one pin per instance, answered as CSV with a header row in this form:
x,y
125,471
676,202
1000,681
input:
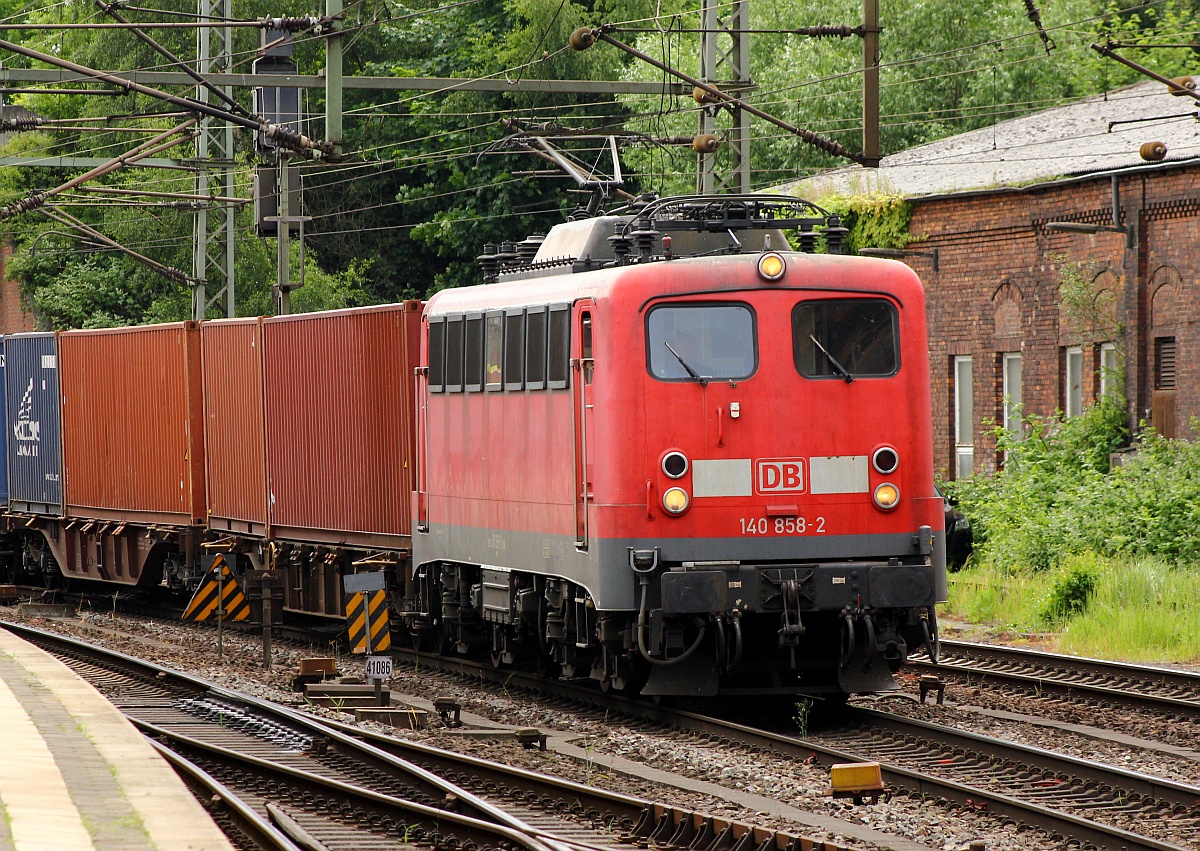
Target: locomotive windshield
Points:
x,y
698,342
847,338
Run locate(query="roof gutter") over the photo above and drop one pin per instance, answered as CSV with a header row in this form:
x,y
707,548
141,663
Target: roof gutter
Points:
x,y
1064,181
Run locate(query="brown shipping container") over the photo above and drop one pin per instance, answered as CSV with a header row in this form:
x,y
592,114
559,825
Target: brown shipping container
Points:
x,y
340,424
132,422
235,425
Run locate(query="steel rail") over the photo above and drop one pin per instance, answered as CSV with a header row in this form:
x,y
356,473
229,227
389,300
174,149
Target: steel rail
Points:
x,y
662,821
264,834
309,725
1132,782
897,777
475,829
624,808
1072,677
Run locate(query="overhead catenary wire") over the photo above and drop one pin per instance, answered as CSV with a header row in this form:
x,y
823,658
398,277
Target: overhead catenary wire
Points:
x,y
448,160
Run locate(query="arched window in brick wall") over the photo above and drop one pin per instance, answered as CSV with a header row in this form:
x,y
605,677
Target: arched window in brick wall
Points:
x,y
1008,321
1167,320
1088,332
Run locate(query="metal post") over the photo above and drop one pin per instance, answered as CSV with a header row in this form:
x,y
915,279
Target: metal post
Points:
x,y
367,638
870,152
283,285
267,618
213,238
333,76
220,612
728,69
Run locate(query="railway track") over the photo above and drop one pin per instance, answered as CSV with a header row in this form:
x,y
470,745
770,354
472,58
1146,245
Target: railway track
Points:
x,y
1150,807
1092,681
1075,802
329,786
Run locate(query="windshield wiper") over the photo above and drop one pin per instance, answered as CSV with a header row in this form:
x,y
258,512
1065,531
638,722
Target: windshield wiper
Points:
x,y
838,368
684,364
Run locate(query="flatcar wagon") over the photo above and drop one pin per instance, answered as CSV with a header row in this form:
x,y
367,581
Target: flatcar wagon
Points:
x,y
667,453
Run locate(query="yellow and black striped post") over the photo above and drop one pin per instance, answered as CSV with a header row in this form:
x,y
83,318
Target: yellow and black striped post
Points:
x,y
219,585
367,622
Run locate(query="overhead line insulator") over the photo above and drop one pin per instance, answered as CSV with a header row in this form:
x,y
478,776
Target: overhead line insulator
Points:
x,y
18,124
830,31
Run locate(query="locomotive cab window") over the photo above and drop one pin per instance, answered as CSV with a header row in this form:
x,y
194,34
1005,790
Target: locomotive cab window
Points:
x,y
845,339
437,355
701,342
493,351
514,349
454,354
558,347
473,365
535,348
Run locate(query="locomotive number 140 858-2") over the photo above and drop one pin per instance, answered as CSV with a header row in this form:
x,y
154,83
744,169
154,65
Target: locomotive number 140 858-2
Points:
x,y
782,526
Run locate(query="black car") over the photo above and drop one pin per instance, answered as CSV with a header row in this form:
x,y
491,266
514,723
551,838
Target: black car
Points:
x,y
959,539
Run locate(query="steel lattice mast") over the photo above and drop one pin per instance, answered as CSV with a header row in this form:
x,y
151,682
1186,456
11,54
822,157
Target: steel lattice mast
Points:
x,y
213,236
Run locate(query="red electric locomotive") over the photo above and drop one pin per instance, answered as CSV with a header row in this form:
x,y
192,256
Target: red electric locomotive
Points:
x,y
663,450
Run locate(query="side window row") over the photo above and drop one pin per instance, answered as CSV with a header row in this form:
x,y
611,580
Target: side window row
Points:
x,y
514,349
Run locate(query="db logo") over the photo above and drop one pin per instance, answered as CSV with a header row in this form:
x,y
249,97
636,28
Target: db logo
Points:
x,y
779,475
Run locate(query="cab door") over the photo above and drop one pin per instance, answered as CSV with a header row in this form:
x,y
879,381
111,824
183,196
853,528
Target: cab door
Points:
x,y
583,370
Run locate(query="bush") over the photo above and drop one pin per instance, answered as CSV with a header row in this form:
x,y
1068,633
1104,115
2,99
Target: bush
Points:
x,y
1056,496
1070,595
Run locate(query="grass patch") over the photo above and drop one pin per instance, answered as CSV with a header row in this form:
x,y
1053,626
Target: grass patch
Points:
x,y
1143,610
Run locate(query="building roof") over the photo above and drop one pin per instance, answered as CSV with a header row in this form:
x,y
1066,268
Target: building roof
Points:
x,y
1095,134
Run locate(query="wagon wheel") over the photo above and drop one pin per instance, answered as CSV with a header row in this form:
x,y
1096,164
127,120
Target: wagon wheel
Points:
x,y
497,651
546,667
433,641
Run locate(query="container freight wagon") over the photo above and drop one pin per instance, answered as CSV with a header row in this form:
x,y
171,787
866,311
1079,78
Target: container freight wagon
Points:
x,y
133,452
235,426
3,443
34,450
311,441
33,453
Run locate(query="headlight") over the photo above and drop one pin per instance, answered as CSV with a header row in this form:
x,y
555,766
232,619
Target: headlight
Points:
x,y
771,266
675,464
885,460
887,496
675,500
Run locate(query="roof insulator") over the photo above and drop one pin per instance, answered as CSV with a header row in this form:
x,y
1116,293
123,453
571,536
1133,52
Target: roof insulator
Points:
x,y
644,235
621,246
808,238
835,234
527,248
489,262
508,254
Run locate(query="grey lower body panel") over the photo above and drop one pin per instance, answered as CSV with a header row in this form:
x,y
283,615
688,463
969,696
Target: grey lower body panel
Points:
x,y
604,567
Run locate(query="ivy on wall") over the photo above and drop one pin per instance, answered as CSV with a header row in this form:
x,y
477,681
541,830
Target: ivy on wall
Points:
x,y
876,221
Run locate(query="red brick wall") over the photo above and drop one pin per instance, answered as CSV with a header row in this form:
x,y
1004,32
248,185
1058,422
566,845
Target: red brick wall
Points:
x,y
13,316
997,290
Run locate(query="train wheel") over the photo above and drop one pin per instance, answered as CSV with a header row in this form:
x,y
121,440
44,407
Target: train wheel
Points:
x,y
432,640
547,668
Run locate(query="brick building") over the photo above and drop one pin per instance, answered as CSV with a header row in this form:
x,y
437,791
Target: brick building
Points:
x,y
14,317
1073,272
13,314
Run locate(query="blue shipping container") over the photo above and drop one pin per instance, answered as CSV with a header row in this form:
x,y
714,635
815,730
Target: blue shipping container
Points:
x,y
31,397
